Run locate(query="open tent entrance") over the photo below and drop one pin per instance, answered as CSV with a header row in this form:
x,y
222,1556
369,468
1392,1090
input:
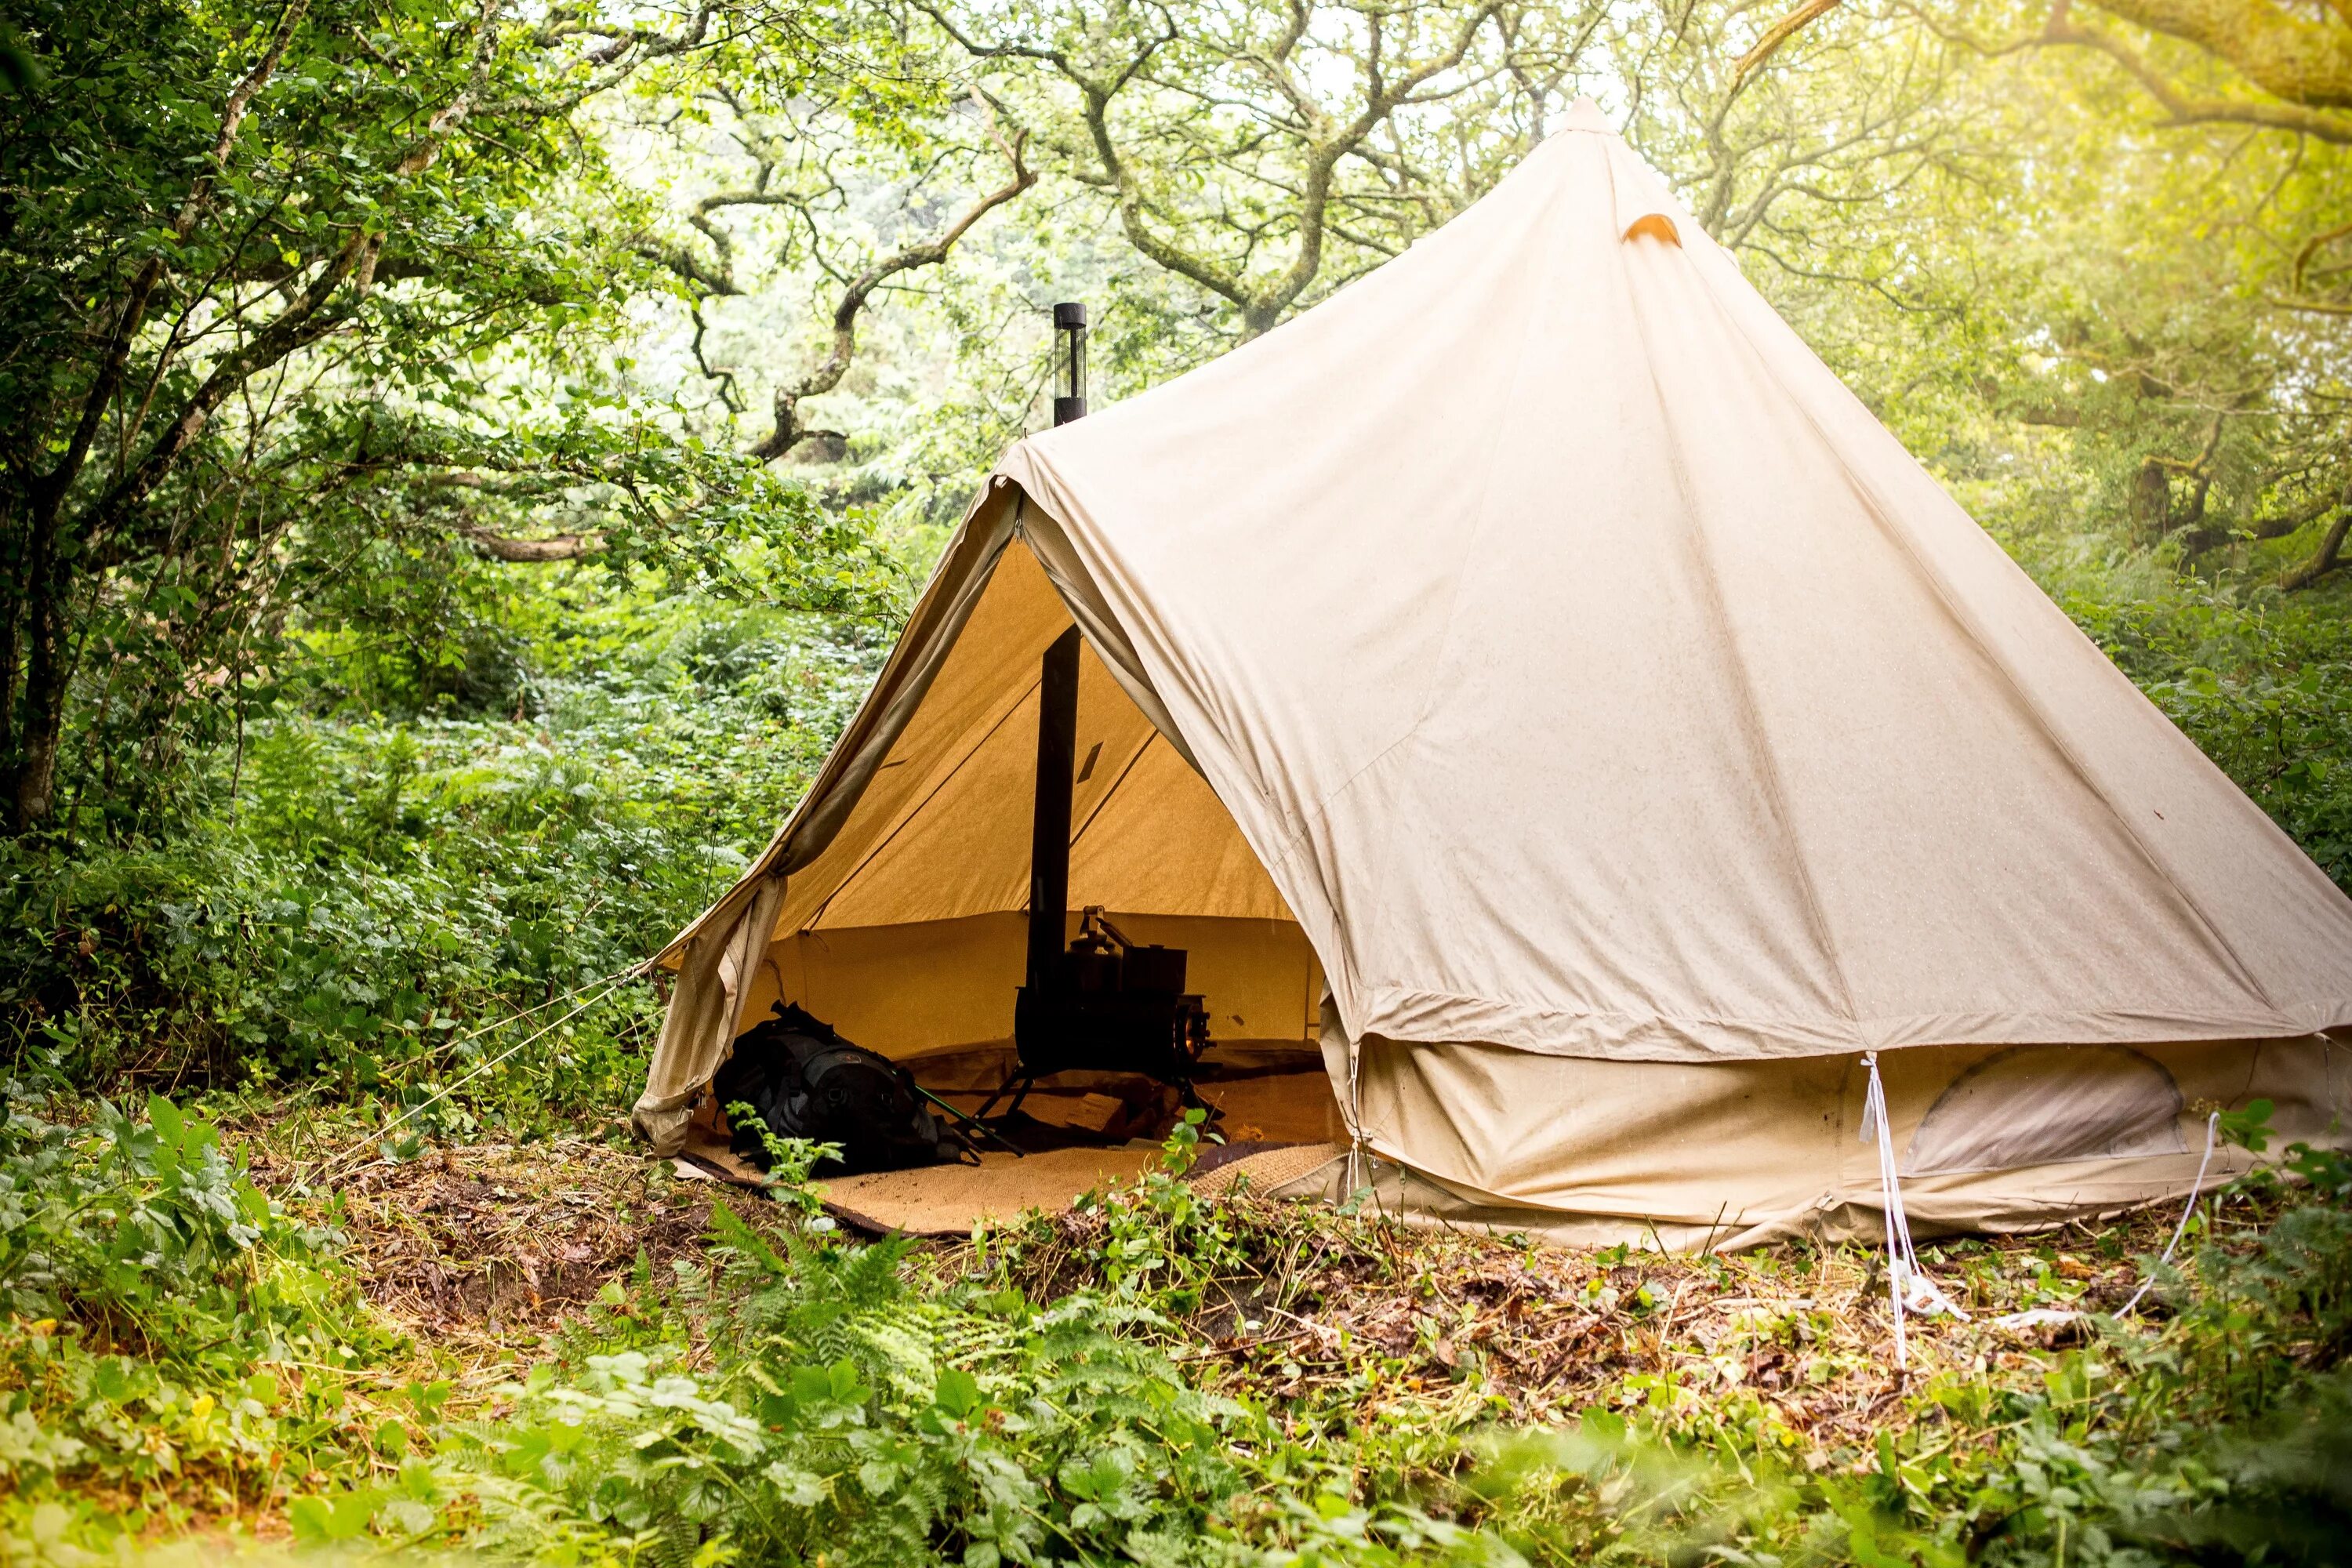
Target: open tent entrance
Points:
x,y
909,934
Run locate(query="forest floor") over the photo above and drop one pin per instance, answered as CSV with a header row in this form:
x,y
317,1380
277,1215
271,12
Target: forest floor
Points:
x,y
555,1349
490,1254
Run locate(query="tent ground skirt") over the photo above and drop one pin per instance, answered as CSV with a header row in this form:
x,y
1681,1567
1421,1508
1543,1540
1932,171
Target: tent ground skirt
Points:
x,y
1742,1152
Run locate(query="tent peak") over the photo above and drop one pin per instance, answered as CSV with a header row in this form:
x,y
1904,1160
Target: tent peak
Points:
x,y
1585,115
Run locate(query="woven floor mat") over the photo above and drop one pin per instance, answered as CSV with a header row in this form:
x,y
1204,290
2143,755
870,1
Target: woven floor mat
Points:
x,y
948,1200
1270,1168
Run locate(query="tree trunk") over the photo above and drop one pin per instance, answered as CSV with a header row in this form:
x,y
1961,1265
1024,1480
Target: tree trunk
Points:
x,y
38,644
2324,560
11,616
2151,501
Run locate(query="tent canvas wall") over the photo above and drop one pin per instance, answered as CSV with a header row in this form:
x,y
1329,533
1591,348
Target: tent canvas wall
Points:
x,y
1533,676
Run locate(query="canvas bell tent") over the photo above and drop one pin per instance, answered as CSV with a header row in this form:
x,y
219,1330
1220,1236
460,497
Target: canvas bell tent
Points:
x,y
1531,678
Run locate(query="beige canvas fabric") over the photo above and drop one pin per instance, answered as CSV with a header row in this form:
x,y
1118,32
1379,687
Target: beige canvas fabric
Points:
x,y
1744,1152
1538,648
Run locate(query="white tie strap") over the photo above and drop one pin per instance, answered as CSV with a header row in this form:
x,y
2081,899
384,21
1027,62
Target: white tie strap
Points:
x,y
1907,1285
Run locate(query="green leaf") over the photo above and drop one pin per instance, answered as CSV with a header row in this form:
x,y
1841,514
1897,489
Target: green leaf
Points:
x,y
169,1126
312,1519
959,1392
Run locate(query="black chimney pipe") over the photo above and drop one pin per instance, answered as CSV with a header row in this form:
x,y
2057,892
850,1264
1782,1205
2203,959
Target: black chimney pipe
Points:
x,y
1049,832
1070,319
1058,726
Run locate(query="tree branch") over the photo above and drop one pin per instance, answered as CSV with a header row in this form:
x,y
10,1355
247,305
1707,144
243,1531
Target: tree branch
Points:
x,y
1780,33
51,487
2308,63
492,545
302,323
624,53
789,431
2178,107
2330,553
2318,307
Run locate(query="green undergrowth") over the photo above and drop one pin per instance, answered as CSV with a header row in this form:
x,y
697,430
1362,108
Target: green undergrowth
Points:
x,y
185,1354
175,1344
362,905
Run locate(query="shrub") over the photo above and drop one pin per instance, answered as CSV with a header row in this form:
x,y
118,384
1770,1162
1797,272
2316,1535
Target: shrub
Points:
x,y
173,1340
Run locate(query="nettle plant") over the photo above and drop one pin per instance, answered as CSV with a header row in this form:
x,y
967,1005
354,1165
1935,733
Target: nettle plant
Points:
x,y
857,1415
1161,1238
150,1237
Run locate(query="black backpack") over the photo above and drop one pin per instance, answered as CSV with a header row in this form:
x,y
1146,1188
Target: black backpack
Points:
x,y
806,1081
